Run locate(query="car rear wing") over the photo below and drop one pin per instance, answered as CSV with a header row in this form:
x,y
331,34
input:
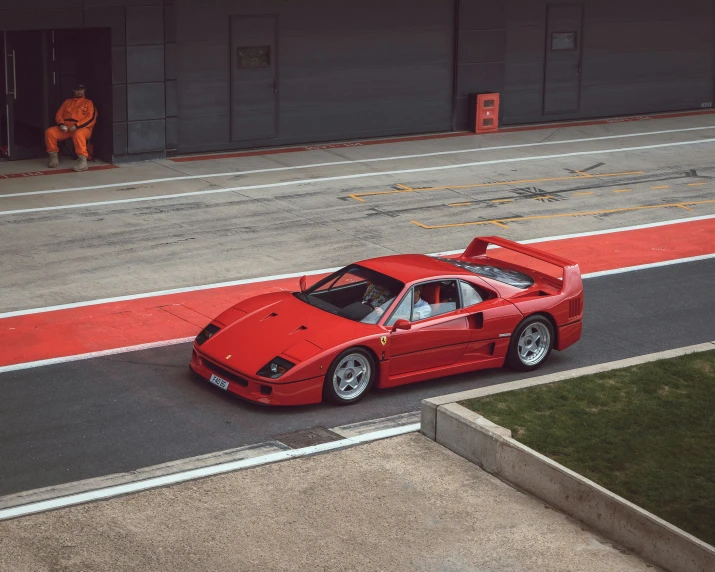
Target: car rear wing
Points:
x,y
571,282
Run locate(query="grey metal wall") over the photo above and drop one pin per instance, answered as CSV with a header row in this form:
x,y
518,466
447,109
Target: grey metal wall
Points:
x,y
345,69
351,69
481,53
638,56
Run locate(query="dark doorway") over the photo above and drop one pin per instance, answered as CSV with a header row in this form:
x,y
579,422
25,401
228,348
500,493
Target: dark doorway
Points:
x,y
562,75
25,111
39,69
254,82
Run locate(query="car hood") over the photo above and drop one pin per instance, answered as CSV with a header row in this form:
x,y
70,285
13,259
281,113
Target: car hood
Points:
x,y
278,324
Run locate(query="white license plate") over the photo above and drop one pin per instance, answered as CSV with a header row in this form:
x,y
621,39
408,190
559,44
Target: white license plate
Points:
x,y
216,380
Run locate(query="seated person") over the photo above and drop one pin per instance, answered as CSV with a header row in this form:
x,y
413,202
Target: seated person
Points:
x,y
75,120
373,304
420,308
375,296
377,299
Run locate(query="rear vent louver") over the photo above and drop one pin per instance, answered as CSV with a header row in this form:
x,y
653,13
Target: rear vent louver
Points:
x,y
575,307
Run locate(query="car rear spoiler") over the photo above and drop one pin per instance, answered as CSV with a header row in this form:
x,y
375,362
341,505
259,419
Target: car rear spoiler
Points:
x,y
571,283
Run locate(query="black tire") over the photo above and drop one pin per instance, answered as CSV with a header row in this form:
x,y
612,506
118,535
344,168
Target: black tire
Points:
x,y
351,361
528,350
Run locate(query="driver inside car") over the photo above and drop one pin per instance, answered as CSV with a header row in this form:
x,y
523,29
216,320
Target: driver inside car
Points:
x,y
378,299
375,296
420,308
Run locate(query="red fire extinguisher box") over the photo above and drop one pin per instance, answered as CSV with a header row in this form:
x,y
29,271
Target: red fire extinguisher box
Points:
x,y
484,112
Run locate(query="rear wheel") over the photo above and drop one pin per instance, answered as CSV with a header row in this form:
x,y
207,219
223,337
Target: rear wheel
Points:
x,y
531,344
349,377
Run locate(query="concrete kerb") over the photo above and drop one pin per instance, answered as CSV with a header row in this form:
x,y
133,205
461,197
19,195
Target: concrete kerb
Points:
x,y
491,447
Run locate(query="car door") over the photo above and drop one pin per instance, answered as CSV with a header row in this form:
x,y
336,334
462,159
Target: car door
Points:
x,y
432,342
491,321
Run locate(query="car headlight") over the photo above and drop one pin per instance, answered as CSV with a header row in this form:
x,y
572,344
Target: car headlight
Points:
x,y
206,333
275,368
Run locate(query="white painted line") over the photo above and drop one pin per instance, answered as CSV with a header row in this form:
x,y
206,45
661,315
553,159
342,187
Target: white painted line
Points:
x,y
167,292
163,481
90,355
647,266
355,176
321,271
349,162
597,232
54,361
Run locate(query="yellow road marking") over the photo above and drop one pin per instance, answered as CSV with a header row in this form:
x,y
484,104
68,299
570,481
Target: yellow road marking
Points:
x,y
696,184
501,224
357,196
622,190
662,187
472,202
684,205
544,197
580,194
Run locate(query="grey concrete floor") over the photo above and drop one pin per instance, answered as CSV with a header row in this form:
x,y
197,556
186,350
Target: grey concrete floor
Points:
x,y
405,503
304,218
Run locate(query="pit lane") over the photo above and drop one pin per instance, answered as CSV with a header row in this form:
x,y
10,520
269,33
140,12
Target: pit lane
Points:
x,y
85,419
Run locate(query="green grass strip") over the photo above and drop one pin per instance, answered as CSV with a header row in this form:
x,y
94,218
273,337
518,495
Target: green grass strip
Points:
x,y
646,433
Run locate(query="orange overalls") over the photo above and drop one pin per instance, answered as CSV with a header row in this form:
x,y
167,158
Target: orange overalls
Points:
x,y
74,111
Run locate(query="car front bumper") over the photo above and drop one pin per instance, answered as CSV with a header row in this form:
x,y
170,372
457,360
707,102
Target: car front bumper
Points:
x,y
303,392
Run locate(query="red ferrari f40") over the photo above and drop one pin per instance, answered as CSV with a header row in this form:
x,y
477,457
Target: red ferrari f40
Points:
x,y
395,320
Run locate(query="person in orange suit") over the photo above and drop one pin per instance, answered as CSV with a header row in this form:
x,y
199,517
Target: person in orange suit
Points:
x,y
75,119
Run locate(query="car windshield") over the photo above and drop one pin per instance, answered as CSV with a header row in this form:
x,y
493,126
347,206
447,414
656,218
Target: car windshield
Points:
x,y
507,276
355,293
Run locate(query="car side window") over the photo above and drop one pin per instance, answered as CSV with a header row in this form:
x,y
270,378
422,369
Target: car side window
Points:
x,y
403,310
470,295
436,298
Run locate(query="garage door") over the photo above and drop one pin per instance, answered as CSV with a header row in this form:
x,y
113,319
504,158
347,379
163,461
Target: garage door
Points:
x,y
340,70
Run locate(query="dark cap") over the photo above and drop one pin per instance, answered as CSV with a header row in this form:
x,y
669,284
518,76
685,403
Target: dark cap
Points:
x,y
80,86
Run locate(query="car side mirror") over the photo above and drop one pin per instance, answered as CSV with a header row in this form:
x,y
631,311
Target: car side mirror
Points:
x,y
401,325
303,283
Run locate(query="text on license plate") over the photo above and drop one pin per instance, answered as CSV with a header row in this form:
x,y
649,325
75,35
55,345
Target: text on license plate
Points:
x,y
216,380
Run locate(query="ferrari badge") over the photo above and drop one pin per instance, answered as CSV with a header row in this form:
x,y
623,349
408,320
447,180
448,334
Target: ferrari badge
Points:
x,y
383,340
228,356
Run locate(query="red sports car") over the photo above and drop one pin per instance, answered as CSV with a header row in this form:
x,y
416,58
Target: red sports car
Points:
x,y
394,320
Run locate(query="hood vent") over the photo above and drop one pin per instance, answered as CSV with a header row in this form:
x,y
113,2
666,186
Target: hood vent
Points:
x,y
271,315
298,329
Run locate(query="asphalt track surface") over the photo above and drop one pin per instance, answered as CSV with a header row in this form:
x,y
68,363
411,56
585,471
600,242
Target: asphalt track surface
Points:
x,y
91,418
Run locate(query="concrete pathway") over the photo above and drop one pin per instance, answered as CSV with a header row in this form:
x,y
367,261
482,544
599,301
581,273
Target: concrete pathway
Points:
x,y
404,503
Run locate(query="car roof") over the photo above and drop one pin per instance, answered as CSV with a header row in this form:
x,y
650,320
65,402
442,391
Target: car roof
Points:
x,y
412,267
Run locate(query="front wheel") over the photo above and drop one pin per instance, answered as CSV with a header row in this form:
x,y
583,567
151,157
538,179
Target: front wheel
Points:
x,y
349,377
531,344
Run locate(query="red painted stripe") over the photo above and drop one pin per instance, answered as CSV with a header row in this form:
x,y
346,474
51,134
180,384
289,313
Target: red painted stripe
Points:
x,y
53,172
302,149
120,324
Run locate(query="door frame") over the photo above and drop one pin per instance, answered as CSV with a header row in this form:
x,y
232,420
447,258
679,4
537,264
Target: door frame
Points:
x,y
547,44
276,75
9,118
47,65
